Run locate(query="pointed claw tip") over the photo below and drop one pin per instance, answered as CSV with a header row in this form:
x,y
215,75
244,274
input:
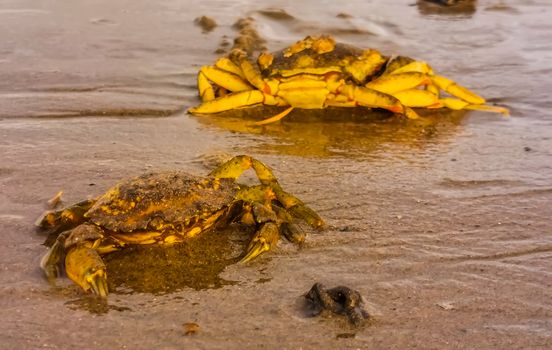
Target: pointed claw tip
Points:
x,y
98,284
255,249
320,224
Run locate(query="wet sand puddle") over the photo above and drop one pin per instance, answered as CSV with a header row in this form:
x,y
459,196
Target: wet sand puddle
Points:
x,y
442,224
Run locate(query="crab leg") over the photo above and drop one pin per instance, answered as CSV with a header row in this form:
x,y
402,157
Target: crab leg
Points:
x,y
268,234
226,64
86,268
417,98
237,165
456,90
291,231
230,101
80,248
456,104
61,220
83,263
253,74
227,80
414,66
371,98
466,99
275,118
206,91
441,82
233,169
289,201
50,262
263,241
392,83
297,208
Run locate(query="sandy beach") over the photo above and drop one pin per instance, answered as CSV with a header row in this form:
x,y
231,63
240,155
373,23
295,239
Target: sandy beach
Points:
x,y
442,224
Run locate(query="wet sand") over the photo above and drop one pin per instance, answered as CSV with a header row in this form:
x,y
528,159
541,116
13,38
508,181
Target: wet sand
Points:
x,y
442,224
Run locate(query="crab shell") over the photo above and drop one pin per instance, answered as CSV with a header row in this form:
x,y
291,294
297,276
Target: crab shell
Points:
x,y
170,207
353,63
317,72
161,201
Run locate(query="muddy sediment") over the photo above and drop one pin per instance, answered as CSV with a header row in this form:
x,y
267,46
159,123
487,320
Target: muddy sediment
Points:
x,y
441,224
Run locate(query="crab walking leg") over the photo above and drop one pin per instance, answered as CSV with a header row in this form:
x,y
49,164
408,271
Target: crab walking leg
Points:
x,y
226,64
227,80
289,201
466,99
456,90
445,84
237,165
206,91
85,267
233,169
288,228
433,89
275,118
456,104
297,208
371,98
228,102
375,99
417,98
393,83
415,66
50,262
65,219
253,75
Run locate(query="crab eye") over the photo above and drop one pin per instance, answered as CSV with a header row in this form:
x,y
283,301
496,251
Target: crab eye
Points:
x,y
323,44
265,60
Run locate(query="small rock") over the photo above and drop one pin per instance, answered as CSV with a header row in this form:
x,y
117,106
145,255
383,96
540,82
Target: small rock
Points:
x,y
446,305
206,23
340,300
190,328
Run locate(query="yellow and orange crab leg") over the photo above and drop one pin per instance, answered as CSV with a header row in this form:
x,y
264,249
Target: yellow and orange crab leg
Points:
x,y
246,76
375,99
85,267
237,165
403,80
267,236
393,83
236,100
225,79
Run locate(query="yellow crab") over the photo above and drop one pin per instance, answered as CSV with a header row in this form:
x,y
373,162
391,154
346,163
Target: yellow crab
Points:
x,y
169,207
317,72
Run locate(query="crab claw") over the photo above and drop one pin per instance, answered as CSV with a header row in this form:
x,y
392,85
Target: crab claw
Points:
x,y
297,208
264,240
50,261
307,214
293,233
98,283
86,268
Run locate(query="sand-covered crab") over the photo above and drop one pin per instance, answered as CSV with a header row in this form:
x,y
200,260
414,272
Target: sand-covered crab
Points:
x,y
169,207
318,72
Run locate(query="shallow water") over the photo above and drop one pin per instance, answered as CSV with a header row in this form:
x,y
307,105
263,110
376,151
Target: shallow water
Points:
x,y
442,224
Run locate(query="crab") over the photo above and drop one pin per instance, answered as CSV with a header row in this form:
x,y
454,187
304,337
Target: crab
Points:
x,y
170,207
318,72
